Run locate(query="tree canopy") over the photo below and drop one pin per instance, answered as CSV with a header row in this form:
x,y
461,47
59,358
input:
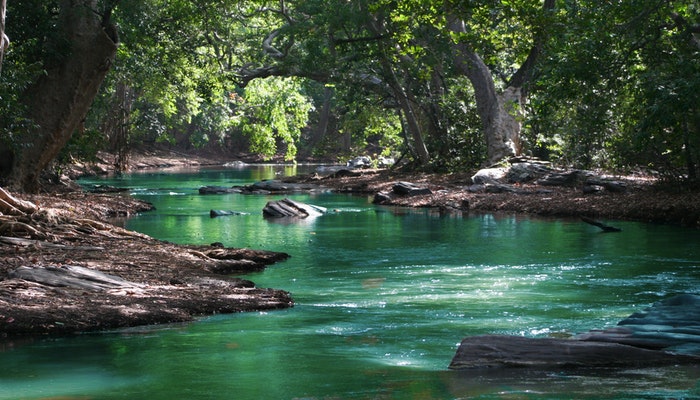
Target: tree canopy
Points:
x,y
449,85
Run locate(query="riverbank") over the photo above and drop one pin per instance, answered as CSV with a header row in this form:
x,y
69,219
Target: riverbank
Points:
x,y
64,269
643,199
160,282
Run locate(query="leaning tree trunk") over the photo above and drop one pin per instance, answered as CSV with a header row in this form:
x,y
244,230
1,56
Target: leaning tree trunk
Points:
x,y
502,112
501,127
61,98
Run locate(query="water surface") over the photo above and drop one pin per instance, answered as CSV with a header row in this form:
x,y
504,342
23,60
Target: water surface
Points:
x,y
383,297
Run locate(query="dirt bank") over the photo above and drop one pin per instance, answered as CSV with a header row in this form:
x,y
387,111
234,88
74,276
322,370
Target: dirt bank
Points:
x,y
643,199
132,279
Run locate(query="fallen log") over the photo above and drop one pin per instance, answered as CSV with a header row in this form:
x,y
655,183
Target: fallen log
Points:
x,y
14,206
39,243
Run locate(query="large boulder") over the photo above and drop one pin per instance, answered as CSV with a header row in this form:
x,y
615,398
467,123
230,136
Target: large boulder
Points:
x,y
359,162
526,172
492,351
671,325
668,332
288,208
489,175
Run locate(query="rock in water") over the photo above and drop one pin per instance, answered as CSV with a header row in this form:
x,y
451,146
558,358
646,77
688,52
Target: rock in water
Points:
x,y
492,351
666,333
291,209
222,213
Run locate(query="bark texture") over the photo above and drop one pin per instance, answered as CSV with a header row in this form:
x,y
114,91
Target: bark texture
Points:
x,y
60,99
498,125
501,113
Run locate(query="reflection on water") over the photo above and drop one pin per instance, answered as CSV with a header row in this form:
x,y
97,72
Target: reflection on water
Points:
x,y
383,298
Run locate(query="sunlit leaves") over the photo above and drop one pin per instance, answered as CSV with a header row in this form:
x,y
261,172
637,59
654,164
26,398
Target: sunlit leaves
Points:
x,y
273,111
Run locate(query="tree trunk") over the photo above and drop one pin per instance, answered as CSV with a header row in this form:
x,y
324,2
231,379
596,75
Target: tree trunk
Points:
x,y
401,96
61,98
324,119
501,129
4,40
407,110
501,113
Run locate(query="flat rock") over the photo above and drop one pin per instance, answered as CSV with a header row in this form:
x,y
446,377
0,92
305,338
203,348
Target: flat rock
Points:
x,y
494,351
672,324
668,332
276,186
217,190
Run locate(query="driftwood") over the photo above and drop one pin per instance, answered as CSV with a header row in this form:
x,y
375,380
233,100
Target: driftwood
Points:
x,y
72,276
13,206
38,243
605,228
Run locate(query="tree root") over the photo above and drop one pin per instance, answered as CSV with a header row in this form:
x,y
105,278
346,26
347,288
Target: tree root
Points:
x,y
14,206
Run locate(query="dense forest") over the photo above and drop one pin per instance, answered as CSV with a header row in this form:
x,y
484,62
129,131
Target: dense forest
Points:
x,y
445,85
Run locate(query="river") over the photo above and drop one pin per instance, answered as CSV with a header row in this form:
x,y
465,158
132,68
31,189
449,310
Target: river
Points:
x,y
383,297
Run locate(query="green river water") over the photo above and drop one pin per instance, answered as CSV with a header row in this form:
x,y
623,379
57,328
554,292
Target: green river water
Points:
x,y
383,297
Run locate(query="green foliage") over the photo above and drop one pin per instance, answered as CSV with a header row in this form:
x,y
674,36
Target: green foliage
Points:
x,y
462,145
619,85
622,91
273,111
373,130
29,25
83,145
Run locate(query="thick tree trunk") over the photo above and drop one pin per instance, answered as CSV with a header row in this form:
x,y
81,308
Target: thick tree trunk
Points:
x,y
401,95
501,128
501,113
317,135
60,99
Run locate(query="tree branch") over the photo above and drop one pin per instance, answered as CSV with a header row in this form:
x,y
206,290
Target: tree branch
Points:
x,y
524,74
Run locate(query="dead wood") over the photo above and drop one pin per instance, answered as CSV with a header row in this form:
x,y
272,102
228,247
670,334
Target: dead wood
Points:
x,y
9,204
71,276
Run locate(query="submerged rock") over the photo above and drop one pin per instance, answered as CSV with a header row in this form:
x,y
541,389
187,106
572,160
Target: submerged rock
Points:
x,y
222,213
